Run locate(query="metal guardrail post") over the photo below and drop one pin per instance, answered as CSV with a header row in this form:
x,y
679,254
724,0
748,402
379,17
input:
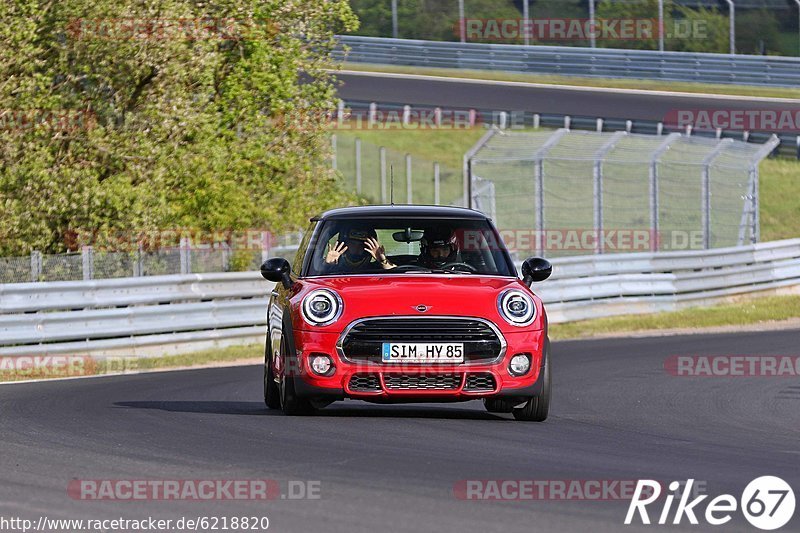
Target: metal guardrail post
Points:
x,y
358,165
654,194
706,190
798,22
186,260
748,213
138,262
36,265
409,191
598,186
538,165
87,263
462,26
732,30
394,19
382,157
526,17
467,164
436,185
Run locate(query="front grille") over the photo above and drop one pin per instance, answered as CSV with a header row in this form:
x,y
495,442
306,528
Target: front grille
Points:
x,y
364,340
365,383
422,381
480,382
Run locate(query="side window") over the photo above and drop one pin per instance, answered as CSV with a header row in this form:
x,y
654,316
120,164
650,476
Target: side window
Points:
x,y
303,250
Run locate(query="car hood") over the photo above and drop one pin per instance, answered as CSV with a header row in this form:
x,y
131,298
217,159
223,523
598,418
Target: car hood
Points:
x,y
398,295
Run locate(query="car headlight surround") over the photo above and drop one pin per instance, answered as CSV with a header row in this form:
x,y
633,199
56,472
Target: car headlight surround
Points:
x,y
516,307
322,307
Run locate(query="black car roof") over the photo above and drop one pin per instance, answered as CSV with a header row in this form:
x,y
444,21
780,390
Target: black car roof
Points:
x,y
433,211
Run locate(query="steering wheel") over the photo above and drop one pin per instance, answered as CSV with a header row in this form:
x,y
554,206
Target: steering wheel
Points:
x,y
455,265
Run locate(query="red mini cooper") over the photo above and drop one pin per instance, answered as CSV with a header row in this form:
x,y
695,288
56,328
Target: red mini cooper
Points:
x,y
393,304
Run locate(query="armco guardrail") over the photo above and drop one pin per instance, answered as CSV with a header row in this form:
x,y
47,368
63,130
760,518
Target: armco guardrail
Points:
x,y
574,61
172,314
133,316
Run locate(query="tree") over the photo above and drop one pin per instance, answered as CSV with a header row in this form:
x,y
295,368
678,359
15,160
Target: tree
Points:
x,y
142,114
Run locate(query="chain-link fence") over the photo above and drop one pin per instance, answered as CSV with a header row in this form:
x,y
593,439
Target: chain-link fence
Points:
x,y
187,258
575,192
759,26
382,175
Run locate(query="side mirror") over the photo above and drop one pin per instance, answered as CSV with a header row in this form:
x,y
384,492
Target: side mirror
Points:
x,y
277,269
536,269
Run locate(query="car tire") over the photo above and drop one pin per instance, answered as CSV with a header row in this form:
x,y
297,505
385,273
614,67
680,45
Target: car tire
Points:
x,y
272,395
290,403
537,407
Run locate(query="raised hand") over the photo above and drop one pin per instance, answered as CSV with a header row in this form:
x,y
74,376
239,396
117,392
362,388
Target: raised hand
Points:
x,y
376,250
335,252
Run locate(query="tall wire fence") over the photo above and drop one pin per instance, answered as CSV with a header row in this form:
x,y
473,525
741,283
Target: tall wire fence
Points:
x,y
577,192
187,258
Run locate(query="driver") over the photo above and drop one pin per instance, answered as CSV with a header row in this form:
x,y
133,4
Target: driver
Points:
x,y
357,249
438,247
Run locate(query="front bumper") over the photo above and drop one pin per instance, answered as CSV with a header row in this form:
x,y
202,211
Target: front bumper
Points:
x,y
409,382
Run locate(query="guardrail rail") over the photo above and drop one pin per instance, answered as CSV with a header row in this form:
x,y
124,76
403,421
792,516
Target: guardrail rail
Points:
x,y
574,61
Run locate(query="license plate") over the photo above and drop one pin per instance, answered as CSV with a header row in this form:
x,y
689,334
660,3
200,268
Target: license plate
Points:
x,y
422,352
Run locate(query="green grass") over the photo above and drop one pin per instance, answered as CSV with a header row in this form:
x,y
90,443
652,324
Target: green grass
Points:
x,y
651,85
746,312
780,199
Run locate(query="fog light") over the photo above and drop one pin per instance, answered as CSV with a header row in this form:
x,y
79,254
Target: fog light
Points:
x,y
519,365
321,364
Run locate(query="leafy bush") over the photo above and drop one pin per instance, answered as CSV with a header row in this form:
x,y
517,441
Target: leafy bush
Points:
x,y
110,125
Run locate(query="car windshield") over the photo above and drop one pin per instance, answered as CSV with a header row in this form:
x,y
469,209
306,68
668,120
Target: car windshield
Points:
x,y
407,246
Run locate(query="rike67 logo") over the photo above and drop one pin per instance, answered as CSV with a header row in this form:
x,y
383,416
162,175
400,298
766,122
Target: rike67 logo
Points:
x,y
767,503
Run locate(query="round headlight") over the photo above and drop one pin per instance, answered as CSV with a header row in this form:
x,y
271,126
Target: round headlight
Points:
x,y
322,307
516,307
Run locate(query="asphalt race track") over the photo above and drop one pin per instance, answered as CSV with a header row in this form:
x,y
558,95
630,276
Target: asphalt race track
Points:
x,y
586,101
616,415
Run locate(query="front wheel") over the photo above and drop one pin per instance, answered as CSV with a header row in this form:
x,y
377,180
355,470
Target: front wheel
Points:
x,y
537,407
290,403
271,393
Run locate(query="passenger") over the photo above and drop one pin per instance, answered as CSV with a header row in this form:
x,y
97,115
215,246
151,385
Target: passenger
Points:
x,y
357,250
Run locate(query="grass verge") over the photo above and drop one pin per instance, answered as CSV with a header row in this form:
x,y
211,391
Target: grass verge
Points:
x,y
744,313
26,368
547,79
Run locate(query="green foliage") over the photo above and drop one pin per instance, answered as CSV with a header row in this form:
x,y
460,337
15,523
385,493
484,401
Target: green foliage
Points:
x,y
135,129
426,19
